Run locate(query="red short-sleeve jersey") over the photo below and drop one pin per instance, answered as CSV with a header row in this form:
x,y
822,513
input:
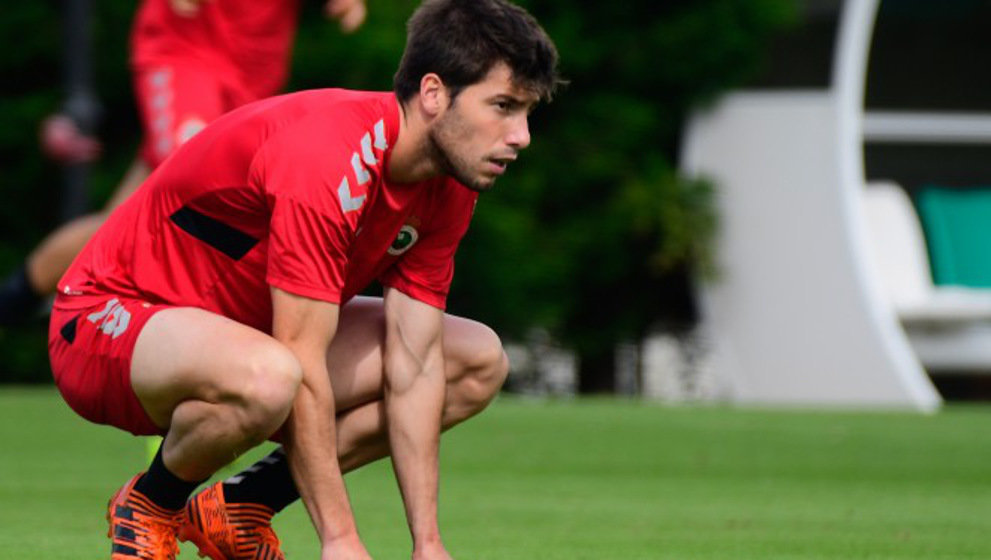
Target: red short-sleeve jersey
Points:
x,y
245,41
288,192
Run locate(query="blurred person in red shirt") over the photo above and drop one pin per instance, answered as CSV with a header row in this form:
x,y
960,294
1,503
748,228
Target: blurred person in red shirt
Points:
x,y
191,61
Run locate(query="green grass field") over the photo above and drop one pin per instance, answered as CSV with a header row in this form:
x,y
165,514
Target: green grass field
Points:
x,y
591,479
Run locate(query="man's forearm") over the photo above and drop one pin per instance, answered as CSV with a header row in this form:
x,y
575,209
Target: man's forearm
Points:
x,y
311,448
413,410
307,327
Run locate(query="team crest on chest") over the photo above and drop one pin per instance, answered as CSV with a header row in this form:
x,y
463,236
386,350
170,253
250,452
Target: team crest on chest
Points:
x,y
405,239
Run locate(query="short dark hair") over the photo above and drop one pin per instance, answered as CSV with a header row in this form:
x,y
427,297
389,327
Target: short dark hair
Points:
x,y
461,40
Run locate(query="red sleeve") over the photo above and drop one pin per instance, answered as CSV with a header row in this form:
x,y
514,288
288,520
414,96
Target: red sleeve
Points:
x,y
425,272
312,227
307,252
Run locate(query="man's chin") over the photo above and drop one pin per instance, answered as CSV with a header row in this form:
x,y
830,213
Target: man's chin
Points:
x,y
481,186
479,183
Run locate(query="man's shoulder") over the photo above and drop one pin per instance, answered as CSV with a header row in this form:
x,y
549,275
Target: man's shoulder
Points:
x,y
335,101
320,118
336,138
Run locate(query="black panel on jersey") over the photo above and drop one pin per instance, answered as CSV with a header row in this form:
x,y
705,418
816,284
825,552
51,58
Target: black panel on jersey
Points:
x,y
228,240
68,330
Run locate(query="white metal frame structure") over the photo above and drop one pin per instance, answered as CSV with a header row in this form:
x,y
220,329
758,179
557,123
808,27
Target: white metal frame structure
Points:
x,y
798,315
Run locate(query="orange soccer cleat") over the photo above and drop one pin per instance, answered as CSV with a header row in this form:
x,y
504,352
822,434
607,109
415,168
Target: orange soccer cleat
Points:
x,y
139,529
229,531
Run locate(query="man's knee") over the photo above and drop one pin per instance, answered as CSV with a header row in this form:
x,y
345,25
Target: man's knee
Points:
x,y
492,367
268,386
483,367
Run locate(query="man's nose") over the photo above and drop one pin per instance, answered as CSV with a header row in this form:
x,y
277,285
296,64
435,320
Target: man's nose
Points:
x,y
519,134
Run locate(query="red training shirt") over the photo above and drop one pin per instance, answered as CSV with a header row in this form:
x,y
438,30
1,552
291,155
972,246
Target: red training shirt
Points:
x,y
289,192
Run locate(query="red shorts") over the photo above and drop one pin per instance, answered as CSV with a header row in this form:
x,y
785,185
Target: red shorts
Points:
x,y
176,100
90,350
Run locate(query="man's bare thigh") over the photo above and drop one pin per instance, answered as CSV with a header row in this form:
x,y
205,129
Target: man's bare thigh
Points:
x,y
188,353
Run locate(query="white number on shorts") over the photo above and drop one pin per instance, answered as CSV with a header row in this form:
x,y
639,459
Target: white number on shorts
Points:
x,y
113,320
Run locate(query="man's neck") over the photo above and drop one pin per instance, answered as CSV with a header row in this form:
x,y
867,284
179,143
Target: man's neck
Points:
x,y
410,161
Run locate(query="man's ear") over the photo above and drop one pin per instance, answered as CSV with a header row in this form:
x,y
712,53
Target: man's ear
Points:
x,y
433,94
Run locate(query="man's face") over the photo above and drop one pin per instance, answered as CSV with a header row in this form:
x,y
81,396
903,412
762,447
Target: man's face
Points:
x,y
477,135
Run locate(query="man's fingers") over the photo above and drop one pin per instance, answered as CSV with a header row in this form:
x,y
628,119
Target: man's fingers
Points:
x,y
349,13
353,19
186,8
62,141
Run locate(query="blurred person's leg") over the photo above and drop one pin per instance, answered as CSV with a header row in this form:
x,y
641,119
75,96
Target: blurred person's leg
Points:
x,y
50,259
175,102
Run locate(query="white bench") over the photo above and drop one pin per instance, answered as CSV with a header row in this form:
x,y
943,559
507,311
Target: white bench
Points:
x,y
948,327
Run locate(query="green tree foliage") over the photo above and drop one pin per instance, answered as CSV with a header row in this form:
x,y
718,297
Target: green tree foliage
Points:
x,y
594,235
590,235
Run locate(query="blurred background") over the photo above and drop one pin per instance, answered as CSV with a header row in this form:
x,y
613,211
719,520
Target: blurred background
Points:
x,y
573,248
747,202
592,256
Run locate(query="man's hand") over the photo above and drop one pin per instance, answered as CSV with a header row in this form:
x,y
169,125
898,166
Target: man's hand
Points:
x,y
437,552
187,8
349,13
340,550
62,141
344,553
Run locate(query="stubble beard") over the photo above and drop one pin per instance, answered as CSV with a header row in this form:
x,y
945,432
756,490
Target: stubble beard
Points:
x,y
444,139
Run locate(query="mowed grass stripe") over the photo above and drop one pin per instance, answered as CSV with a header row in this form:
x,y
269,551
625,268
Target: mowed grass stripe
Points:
x,y
578,479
